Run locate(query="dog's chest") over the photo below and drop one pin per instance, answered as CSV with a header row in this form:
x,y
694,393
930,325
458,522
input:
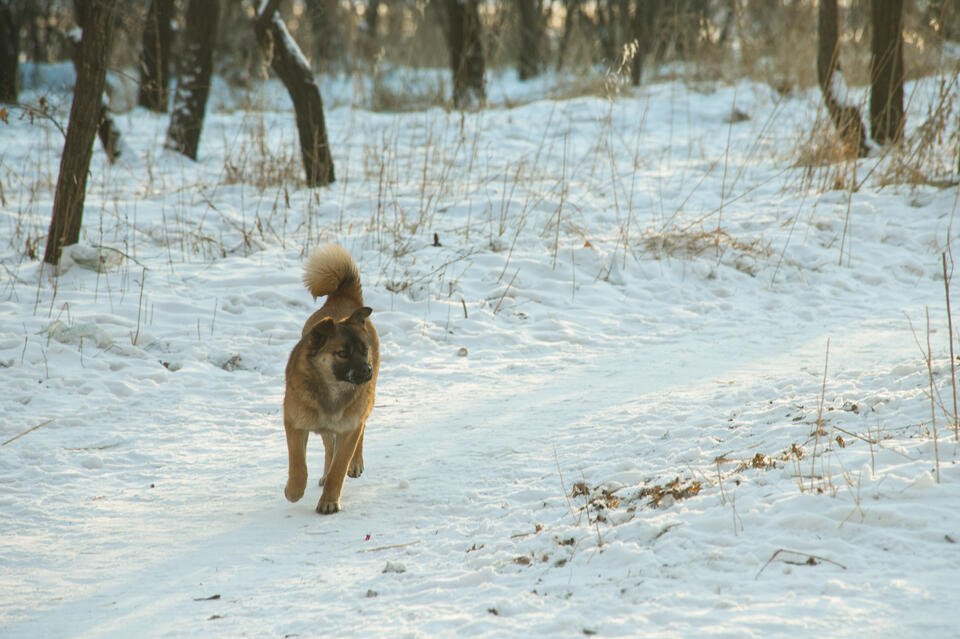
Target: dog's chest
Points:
x,y
333,412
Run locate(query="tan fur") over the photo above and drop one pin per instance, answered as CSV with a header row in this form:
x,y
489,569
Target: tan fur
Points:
x,y
315,400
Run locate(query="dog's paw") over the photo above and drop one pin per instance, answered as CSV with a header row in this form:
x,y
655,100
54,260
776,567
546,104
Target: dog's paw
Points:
x,y
356,468
294,489
328,507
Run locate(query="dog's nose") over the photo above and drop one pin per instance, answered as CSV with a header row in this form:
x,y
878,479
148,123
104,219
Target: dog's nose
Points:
x,y
366,372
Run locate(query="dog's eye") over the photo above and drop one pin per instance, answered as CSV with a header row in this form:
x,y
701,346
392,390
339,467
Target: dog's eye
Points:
x,y
342,354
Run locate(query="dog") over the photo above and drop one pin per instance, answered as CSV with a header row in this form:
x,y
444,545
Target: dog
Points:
x,y
331,377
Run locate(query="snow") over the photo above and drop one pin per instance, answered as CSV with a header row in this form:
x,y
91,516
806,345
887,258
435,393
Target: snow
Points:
x,y
599,400
839,90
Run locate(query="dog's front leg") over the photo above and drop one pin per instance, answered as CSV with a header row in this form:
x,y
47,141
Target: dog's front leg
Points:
x,y
356,464
333,482
297,457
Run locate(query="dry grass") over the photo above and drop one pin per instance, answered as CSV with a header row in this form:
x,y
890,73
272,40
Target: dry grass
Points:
x,y
927,155
262,164
828,163
690,243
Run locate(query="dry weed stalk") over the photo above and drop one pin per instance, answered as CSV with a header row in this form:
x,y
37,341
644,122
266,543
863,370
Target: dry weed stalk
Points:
x,y
820,432
953,359
928,356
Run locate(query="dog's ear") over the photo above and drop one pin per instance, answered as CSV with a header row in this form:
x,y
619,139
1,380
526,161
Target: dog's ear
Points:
x,y
322,330
359,315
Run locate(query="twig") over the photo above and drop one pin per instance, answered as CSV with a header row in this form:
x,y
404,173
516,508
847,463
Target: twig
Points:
x,y
119,252
563,487
390,547
811,560
953,361
29,430
820,431
34,112
143,277
505,291
266,9
933,411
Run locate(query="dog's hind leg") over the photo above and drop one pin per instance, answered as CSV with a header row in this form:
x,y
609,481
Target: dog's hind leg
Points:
x,y
297,456
329,449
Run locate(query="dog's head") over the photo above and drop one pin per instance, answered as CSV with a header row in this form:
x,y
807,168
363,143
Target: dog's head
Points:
x,y
342,347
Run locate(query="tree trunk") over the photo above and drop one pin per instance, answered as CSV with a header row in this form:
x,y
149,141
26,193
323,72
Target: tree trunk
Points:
x,y
368,37
96,19
607,31
845,115
531,38
155,56
288,63
326,23
645,14
9,52
465,41
886,72
193,84
106,128
571,14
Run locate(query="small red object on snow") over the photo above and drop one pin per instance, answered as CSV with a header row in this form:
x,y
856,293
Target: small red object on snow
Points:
x,y
366,537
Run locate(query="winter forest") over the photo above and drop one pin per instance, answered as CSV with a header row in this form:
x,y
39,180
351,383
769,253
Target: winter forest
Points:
x,y
664,295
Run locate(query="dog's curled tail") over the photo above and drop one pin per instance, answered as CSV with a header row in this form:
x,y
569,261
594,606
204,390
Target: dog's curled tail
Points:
x,y
331,270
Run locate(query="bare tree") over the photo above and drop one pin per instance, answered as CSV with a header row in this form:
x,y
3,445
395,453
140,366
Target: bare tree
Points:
x,y
532,24
845,115
886,71
95,17
465,42
107,130
155,56
326,23
193,84
288,62
9,52
643,27
370,27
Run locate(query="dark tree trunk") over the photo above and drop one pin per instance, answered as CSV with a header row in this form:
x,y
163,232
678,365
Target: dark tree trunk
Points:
x,y
465,41
326,23
155,56
886,72
96,19
9,52
106,128
531,38
288,63
845,115
645,14
607,31
193,84
368,38
570,18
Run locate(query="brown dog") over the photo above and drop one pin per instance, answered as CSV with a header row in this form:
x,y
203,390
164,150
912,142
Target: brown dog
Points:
x,y
331,377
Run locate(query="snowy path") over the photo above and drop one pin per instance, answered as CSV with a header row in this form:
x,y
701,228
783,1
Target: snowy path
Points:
x,y
463,478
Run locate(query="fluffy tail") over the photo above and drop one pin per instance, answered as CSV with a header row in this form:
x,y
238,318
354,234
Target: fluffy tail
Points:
x,y
330,270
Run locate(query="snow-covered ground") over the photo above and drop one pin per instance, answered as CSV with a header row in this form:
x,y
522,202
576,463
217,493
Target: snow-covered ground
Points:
x,y
653,381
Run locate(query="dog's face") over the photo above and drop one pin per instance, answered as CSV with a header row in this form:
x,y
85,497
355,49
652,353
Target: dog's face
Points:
x,y
340,348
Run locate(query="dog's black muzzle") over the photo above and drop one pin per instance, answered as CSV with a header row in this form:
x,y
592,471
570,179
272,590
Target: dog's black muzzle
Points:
x,y
361,374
